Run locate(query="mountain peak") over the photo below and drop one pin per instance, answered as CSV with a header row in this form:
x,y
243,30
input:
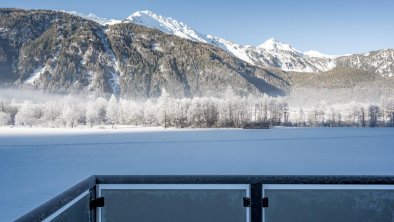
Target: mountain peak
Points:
x,y
272,53
314,53
317,54
273,44
272,41
95,18
141,13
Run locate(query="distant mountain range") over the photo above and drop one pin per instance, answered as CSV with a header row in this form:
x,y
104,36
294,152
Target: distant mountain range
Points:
x,y
144,53
272,53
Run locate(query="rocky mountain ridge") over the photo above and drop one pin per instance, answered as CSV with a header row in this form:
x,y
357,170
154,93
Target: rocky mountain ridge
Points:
x,y
273,53
68,52
62,52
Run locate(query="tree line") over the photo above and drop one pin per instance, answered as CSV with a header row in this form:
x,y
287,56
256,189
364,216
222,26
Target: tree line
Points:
x,y
205,112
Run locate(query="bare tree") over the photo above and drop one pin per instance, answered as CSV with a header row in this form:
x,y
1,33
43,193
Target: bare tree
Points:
x,y
373,113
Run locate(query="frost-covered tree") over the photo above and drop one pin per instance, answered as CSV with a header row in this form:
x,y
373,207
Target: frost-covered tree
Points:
x,y
112,111
28,114
96,111
284,108
5,119
321,112
195,115
302,118
332,117
210,111
274,112
150,113
10,109
230,110
390,112
71,115
181,115
73,112
130,112
52,111
92,114
227,108
163,103
101,106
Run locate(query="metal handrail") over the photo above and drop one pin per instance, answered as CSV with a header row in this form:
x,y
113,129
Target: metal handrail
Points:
x,y
51,206
54,204
242,179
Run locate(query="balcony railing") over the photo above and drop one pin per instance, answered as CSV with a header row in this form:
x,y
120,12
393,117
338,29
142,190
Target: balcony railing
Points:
x,y
222,199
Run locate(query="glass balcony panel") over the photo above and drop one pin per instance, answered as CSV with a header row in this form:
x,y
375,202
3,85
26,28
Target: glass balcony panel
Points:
x,y
174,205
77,210
327,205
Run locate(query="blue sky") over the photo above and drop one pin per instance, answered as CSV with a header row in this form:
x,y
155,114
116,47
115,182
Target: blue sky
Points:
x,y
331,26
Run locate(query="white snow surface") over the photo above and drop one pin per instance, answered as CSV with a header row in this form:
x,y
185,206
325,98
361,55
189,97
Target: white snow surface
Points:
x,y
35,75
164,24
275,45
114,63
92,17
317,54
237,50
38,164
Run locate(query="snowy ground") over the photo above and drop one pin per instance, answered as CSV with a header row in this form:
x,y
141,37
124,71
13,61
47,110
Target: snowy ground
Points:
x,y
37,164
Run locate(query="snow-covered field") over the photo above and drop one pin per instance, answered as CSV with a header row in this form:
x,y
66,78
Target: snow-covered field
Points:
x,y
37,164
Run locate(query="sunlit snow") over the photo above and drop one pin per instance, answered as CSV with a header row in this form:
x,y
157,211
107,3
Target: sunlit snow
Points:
x,y
314,53
35,75
37,164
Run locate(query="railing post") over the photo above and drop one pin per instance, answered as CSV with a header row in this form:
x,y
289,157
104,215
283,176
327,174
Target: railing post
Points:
x,y
255,197
93,195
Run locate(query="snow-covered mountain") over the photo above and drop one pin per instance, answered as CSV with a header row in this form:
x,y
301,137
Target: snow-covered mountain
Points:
x,y
95,18
66,53
274,53
167,25
270,54
380,62
314,53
